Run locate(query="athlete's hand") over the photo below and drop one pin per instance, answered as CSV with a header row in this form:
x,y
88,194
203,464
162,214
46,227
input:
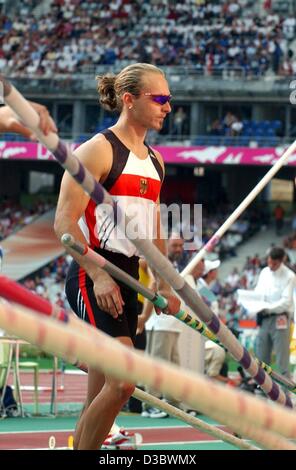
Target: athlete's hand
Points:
x,y
108,295
46,123
9,122
174,303
141,324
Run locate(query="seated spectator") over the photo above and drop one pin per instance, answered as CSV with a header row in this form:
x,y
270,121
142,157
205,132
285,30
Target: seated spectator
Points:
x,y
216,128
236,127
215,366
233,278
228,120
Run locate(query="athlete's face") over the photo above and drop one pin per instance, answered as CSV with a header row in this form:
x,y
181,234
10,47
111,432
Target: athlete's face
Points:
x,y
153,104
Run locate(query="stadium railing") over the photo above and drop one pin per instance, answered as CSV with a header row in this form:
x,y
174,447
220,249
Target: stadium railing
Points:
x,y
185,140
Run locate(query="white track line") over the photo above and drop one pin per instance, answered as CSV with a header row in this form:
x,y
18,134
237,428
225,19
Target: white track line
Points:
x,y
147,444
139,428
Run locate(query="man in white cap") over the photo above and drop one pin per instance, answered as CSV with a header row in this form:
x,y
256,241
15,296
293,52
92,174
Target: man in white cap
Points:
x,y
211,270
163,331
215,356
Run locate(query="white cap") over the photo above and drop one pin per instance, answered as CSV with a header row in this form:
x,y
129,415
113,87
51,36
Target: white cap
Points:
x,y
211,265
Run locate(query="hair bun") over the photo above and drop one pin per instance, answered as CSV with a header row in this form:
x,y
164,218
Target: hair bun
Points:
x,y
106,91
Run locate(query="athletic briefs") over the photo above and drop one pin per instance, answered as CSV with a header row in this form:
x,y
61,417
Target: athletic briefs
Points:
x,y
80,294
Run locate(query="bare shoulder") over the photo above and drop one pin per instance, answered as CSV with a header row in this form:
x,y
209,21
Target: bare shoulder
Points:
x,y
93,145
96,155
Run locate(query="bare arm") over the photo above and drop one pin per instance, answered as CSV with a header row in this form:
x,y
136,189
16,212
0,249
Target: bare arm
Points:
x,y
73,200
96,156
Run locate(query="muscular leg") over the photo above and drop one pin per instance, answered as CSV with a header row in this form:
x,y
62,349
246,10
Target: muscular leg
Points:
x,y
95,384
98,417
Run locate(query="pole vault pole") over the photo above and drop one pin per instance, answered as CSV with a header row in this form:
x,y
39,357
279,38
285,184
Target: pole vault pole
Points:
x,y
153,256
215,239
159,301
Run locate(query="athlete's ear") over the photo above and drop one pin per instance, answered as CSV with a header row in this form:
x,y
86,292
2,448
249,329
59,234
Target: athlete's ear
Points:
x,y
128,100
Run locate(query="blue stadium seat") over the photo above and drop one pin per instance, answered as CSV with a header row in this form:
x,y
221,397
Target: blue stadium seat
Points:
x,y
276,124
270,132
248,131
265,124
254,124
259,132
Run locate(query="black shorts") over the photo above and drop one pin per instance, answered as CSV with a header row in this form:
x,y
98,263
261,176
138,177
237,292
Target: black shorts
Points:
x,y
80,295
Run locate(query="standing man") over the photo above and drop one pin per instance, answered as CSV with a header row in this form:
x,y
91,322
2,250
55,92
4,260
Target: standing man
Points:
x,y
132,172
164,330
215,363
276,284
215,356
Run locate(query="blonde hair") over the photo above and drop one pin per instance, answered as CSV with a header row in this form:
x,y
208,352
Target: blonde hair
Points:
x,y
112,87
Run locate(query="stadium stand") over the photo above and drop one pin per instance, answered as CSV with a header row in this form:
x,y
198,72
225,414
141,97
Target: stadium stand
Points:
x,y
213,37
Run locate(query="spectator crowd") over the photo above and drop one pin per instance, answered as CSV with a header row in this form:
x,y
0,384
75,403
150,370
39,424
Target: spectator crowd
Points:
x,y
212,37
14,216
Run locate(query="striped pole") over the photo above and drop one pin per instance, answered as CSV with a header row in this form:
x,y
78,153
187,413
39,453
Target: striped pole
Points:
x,y
14,292
153,256
159,301
215,239
242,411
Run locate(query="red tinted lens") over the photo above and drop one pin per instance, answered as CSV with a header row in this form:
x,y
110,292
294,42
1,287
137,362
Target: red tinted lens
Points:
x,y
161,99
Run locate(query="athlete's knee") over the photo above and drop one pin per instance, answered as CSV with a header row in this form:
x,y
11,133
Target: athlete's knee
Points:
x,y
126,390
121,390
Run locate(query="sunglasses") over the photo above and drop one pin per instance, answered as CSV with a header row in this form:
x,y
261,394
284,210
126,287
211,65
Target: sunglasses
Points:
x,y
159,99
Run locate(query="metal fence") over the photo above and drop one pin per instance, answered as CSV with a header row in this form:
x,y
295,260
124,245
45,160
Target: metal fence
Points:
x,y
185,81
183,140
